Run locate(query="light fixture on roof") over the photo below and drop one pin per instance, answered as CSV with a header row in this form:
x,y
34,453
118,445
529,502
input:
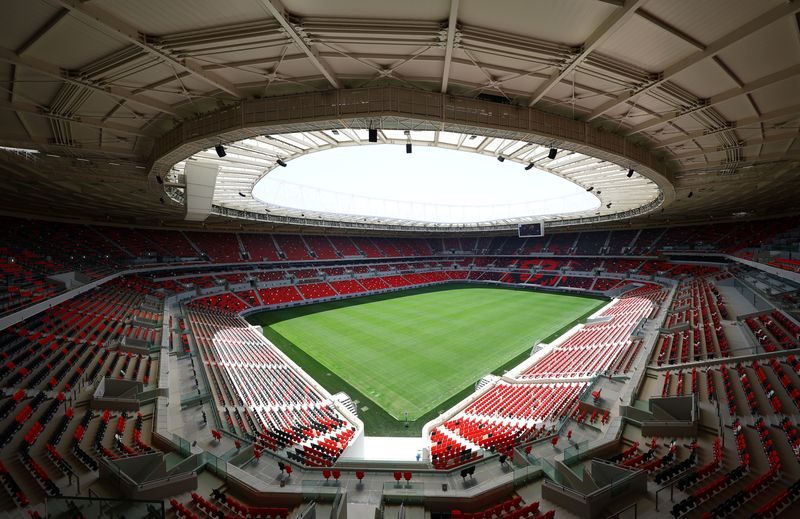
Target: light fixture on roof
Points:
x,y
630,172
552,154
335,131
242,195
590,189
608,205
690,194
280,163
220,149
501,158
529,167
472,137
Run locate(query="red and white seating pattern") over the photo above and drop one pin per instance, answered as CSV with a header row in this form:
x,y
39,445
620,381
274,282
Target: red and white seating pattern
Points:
x,y
263,395
502,418
598,346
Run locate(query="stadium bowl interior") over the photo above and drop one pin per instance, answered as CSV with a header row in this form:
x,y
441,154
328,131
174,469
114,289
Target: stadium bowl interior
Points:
x,y
565,284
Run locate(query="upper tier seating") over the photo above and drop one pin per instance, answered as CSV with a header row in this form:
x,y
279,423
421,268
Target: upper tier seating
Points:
x,y
220,247
591,243
620,241
260,247
321,247
366,246
562,243
345,247
33,250
293,247
173,243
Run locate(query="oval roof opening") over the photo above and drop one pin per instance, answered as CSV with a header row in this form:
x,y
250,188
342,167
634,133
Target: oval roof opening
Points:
x,y
429,185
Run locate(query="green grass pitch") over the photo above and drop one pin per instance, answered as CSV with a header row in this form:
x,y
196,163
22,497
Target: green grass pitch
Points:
x,y
418,351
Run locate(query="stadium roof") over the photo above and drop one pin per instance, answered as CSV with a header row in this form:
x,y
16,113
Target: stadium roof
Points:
x,y
252,162
702,97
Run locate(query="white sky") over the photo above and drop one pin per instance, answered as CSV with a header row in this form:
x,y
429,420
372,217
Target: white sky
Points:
x,y
431,184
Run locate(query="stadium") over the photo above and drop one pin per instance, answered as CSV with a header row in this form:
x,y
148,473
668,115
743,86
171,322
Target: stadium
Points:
x,y
431,259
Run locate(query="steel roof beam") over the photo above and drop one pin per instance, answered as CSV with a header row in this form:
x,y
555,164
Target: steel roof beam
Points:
x,y
46,146
277,10
661,24
770,157
94,122
597,38
110,23
448,49
744,144
47,69
52,22
775,114
710,50
720,98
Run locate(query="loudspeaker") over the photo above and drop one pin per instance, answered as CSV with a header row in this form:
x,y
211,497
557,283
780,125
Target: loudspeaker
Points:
x,y
444,487
373,135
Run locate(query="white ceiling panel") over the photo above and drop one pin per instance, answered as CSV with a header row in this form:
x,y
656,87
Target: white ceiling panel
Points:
x,y
158,17
708,20
777,96
564,21
705,79
655,48
22,20
85,44
768,50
